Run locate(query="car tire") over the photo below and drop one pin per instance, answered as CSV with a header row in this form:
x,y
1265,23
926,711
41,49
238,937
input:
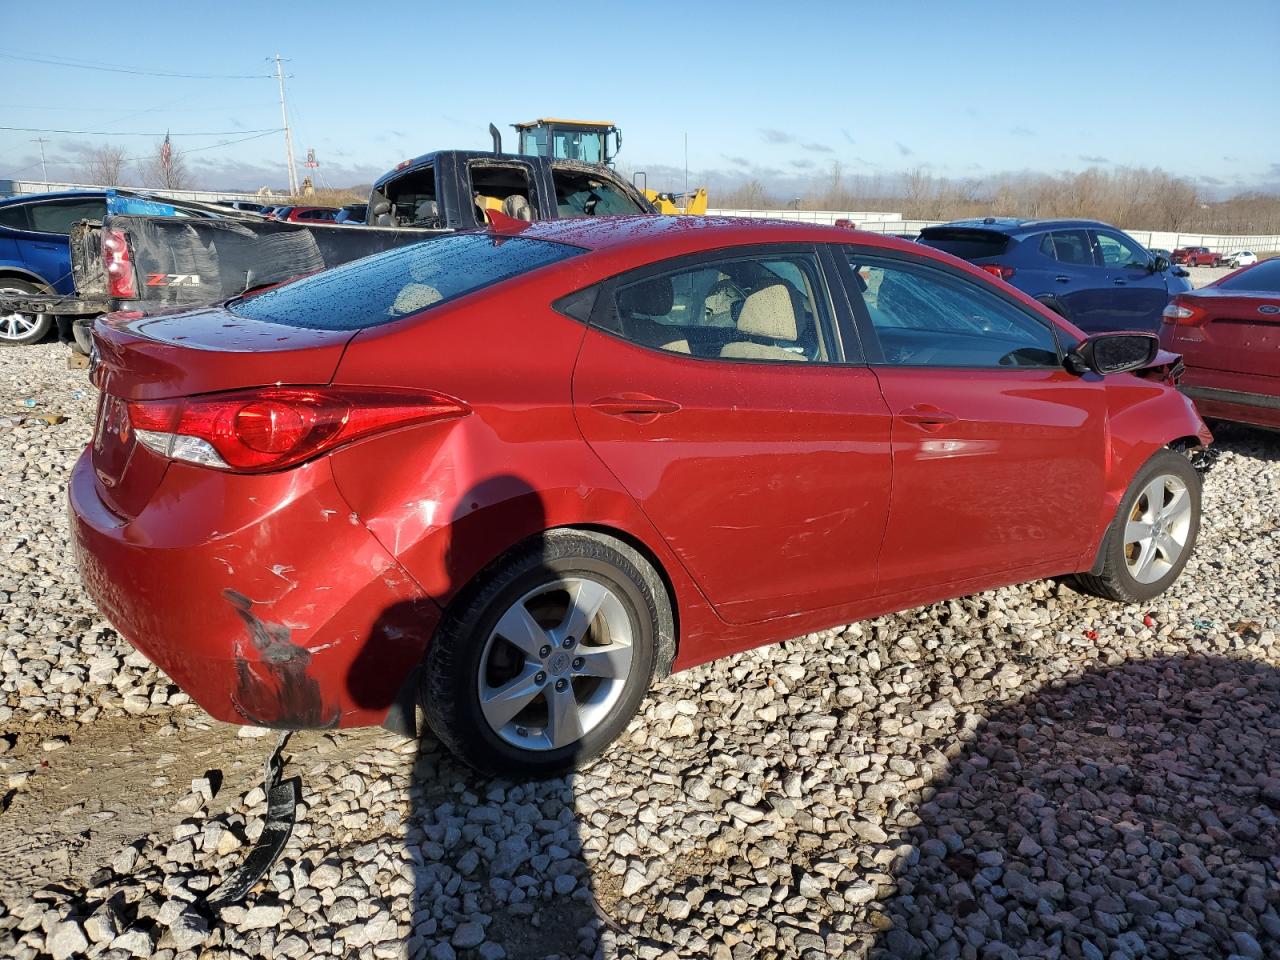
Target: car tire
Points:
x,y
509,685
19,329
1136,568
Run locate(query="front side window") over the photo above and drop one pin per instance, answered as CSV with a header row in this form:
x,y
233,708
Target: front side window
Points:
x,y
1119,252
580,194
59,216
1068,246
766,307
400,282
924,317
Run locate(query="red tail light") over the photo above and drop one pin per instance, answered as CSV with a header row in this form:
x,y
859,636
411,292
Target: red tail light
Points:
x,y
256,431
998,270
119,266
1183,313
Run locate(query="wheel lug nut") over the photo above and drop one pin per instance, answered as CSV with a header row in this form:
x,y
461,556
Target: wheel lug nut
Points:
x,y
568,642
545,651
577,663
540,677
560,685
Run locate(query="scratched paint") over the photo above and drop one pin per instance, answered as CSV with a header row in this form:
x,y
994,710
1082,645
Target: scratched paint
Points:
x,y
275,690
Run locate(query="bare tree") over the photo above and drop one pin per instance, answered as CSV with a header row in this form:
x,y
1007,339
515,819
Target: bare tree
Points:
x,y
166,168
102,166
750,196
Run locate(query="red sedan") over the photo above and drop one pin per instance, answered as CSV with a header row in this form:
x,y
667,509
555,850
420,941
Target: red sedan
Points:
x,y
519,474
1229,336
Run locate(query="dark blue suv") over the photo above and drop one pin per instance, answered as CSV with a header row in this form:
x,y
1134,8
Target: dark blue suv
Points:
x,y
1096,276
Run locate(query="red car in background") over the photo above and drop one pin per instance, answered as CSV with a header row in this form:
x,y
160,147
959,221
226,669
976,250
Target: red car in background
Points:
x,y
1196,257
1229,336
304,214
519,473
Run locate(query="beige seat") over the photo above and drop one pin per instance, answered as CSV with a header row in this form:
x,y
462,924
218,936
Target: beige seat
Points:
x,y
768,313
414,297
676,346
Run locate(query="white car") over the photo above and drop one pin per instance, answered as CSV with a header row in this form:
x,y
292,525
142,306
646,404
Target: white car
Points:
x,y
1241,258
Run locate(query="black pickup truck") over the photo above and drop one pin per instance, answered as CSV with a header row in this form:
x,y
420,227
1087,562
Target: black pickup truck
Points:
x,y
147,263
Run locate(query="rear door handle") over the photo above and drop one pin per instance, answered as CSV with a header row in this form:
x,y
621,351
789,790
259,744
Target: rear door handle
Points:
x,y
1118,282
926,416
1062,278
639,407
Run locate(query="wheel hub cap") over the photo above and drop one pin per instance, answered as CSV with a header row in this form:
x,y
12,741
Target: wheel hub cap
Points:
x,y
1157,528
555,664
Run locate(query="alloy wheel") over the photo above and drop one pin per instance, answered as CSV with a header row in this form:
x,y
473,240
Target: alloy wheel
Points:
x,y
15,325
555,664
1156,531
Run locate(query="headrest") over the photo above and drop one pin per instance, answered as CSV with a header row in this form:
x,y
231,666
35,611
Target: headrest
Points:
x,y
770,313
414,297
652,298
517,207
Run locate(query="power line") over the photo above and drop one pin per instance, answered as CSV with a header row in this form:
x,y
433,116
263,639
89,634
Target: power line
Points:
x,y
111,68
117,133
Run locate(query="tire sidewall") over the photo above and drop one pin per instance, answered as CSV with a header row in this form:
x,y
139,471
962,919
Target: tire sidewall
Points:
x,y
1166,463
467,730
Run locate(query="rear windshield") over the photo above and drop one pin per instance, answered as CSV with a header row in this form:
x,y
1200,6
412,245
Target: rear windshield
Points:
x,y
966,244
1264,277
391,285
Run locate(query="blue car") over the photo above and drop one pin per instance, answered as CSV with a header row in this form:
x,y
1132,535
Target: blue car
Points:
x,y
1096,276
35,250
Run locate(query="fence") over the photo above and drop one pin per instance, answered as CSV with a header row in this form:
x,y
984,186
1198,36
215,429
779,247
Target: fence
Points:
x,y
895,224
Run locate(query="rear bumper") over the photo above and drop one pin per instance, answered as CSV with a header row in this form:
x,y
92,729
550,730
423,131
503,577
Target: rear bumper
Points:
x,y
263,598
55,304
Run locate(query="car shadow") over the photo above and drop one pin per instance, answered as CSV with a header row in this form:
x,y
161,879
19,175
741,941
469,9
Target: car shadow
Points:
x,y
1253,442
1130,812
498,865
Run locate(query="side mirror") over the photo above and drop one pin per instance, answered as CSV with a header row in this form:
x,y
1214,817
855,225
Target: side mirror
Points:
x,y
1160,265
1106,353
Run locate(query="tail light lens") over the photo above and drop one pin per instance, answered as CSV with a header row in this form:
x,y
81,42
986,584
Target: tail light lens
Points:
x,y
1183,314
118,264
257,431
998,270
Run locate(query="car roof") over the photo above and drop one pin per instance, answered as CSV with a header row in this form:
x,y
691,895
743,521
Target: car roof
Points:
x,y
1013,226
605,233
59,195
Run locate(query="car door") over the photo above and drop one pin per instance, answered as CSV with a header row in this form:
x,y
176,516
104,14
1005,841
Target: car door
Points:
x,y
997,449
715,390
1138,293
1078,284
46,247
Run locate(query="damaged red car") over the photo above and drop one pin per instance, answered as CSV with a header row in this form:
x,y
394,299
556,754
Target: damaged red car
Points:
x,y
515,475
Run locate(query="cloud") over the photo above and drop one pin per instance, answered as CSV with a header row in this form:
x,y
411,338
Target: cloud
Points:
x,y
737,161
1021,131
1093,159
903,149
847,137
1212,181
802,164
776,136
817,147
1231,159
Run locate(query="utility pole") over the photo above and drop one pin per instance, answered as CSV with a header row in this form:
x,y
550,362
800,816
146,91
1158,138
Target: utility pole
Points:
x,y
288,135
44,170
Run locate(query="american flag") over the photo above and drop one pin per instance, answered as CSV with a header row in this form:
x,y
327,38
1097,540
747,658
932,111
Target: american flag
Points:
x,y
166,150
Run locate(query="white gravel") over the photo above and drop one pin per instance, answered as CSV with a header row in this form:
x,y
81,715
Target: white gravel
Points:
x,y
1022,773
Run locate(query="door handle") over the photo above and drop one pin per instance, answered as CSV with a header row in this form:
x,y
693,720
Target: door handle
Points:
x,y
1062,278
639,407
1118,282
926,416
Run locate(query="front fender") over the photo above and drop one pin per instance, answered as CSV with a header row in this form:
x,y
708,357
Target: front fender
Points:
x,y
1142,418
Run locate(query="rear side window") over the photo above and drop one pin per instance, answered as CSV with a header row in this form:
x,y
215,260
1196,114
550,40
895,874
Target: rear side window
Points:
x,y
966,244
580,194
1068,246
1265,277
395,284
59,216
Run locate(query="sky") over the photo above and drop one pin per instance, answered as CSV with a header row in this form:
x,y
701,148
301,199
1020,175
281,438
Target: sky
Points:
x,y
771,91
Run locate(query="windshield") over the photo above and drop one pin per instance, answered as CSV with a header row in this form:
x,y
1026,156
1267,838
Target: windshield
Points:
x,y
1265,278
400,282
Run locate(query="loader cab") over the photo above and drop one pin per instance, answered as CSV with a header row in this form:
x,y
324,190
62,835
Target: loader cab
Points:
x,y
583,140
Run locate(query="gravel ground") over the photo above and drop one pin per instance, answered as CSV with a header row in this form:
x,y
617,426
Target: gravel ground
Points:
x,y
1023,773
